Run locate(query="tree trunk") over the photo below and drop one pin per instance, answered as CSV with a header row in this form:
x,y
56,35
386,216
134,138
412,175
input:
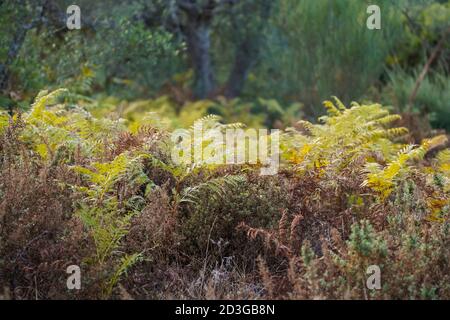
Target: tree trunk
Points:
x,y
245,57
199,43
247,52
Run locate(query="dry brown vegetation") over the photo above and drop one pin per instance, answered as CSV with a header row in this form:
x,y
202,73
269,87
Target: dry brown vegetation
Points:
x,y
308,232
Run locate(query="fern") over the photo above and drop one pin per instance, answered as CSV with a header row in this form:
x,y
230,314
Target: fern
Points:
x,y
443,162
212,190
346,135
382,180
126,262
38,112
4,120
101,212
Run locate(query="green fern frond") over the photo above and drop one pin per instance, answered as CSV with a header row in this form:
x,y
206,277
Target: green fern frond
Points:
x,y
42,99
126,262
207,121
212,190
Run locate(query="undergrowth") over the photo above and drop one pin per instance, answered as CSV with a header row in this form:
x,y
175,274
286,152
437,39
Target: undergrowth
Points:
x,y
83,186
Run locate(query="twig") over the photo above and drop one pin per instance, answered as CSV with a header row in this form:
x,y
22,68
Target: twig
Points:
x,y
207,252
426,68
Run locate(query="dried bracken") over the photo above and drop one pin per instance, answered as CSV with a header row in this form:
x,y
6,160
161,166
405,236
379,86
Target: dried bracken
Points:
x,y
105,195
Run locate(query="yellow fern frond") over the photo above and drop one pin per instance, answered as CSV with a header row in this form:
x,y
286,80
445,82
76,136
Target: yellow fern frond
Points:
x,y
331,108
339,103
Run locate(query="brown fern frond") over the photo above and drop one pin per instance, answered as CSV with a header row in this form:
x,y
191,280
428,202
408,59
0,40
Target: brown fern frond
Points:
x,y
336,238
269,238
283,227
294,228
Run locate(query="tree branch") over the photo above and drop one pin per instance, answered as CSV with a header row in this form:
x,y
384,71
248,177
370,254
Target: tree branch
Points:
x,y
426,68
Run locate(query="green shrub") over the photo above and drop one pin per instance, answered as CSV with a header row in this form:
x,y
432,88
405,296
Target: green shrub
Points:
x,y
306,65
432,99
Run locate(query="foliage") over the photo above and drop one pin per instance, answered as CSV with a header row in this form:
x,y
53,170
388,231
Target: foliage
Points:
x,y
141,49
113,54
424,24
307,65
88,176
104,194
431,100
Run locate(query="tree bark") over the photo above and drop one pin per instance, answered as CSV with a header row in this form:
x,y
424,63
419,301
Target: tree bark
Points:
x,y
245,57
198,44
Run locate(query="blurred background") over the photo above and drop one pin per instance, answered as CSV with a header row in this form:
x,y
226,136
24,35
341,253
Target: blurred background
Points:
x,y
260,62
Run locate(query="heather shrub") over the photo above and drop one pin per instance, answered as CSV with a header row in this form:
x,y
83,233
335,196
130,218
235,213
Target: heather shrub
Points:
x,y
39,235
413,265
380,210
258,202
103,193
